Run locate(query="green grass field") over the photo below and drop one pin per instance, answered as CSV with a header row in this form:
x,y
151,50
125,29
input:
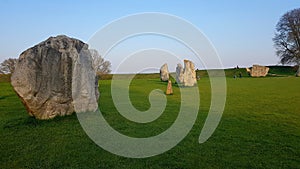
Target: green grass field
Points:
x,y
260,128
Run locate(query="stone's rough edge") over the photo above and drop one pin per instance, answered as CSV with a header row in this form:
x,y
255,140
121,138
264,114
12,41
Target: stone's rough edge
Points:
x,y
84,90
63,44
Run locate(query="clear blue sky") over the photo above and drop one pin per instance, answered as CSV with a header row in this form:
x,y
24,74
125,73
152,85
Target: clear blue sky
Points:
x,y
241,31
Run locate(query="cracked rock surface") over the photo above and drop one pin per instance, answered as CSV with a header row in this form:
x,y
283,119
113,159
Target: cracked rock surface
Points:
x,y
56,78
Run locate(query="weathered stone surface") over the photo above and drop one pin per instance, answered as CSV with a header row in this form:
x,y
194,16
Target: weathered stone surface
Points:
x,y
258,71
189,78
179,74
164,73
186,76
56,78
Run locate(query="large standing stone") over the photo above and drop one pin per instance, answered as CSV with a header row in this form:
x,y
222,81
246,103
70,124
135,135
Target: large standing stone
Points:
x,y
258,71
164,73
186,76
56,78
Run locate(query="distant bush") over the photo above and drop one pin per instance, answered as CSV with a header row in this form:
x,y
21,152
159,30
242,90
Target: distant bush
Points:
x,y
5,78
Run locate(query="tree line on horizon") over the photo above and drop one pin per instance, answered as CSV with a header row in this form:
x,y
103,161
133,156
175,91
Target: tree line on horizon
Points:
x,y
100,65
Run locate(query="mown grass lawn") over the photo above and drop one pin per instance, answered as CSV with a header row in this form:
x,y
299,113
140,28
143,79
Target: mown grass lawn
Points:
x,y
260,128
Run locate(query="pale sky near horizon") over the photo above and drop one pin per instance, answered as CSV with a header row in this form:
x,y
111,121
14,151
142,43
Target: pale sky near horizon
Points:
x,y
241,31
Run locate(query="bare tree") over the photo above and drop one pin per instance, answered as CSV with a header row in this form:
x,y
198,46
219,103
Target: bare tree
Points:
x,y
287,37
8,66
100,65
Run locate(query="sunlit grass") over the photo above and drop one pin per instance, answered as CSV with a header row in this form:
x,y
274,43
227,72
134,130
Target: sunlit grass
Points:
x,y
260,128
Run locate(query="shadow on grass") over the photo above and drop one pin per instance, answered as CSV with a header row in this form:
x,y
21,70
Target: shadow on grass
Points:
x,y
165,83
32,122
7,96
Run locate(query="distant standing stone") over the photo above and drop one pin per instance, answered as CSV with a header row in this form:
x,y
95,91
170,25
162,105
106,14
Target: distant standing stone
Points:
x,y
179,74
56,78
164,73
189,78
186,76
258,71
169,88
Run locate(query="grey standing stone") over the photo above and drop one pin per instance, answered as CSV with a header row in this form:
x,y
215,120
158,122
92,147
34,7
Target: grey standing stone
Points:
x,y
56,78
179,74
164,73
